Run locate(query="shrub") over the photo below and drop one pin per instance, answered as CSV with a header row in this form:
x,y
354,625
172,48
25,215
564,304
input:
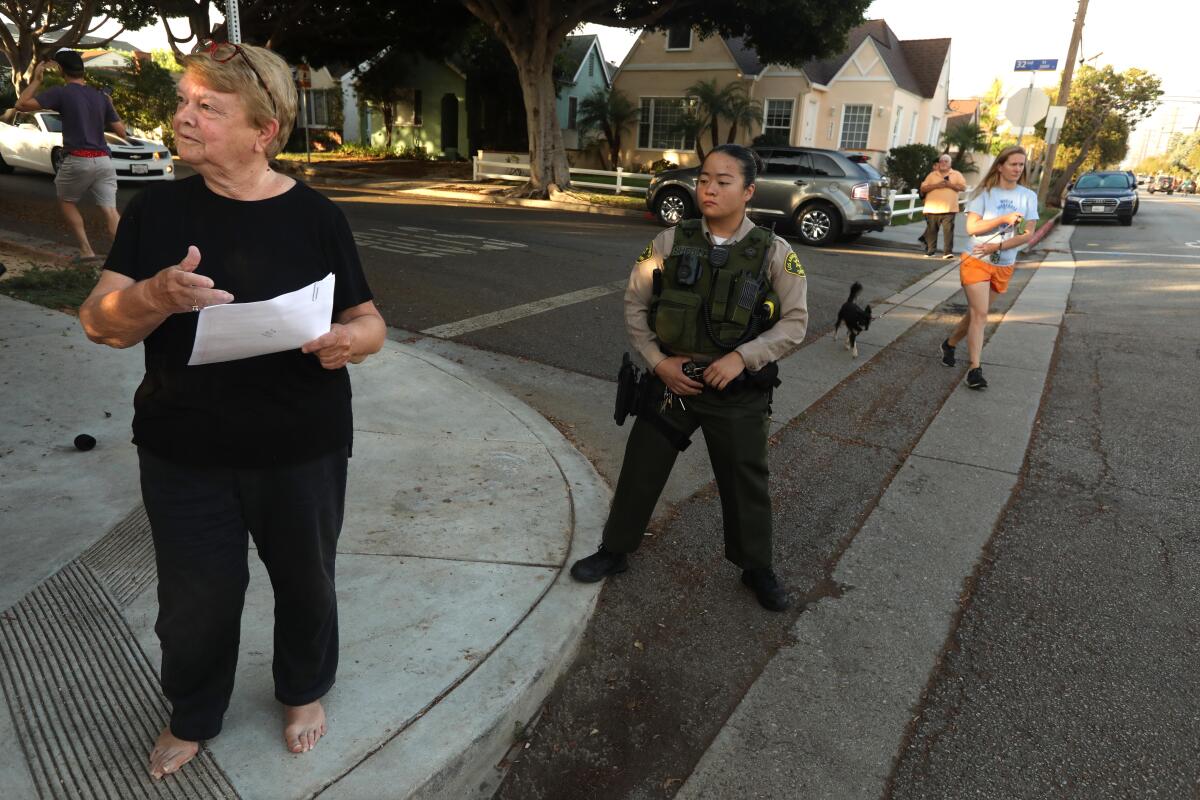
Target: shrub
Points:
x,y
655,167
909,164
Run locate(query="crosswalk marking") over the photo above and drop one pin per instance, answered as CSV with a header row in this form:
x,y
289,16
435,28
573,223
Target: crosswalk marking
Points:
x,y
471,324
429,242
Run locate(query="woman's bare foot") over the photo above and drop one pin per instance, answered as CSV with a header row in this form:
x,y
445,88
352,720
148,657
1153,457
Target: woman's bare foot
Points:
x,y
170,753
303,725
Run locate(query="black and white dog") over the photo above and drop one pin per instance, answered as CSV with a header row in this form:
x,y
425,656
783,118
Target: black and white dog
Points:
x,y
854,318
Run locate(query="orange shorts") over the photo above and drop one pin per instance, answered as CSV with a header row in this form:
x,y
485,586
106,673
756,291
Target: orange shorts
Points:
x,y
976,270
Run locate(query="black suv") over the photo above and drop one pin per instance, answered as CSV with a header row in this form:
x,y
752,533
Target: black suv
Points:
x,y
1101,195
822,194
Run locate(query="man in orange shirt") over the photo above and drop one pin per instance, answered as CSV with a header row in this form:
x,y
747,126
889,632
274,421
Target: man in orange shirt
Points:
x,y
941,188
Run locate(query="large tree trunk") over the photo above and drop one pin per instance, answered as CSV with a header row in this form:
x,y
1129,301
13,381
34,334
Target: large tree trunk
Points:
x,y
547,155
532,36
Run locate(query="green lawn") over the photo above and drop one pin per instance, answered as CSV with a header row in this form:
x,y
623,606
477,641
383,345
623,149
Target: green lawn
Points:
x,y
904,205
59,289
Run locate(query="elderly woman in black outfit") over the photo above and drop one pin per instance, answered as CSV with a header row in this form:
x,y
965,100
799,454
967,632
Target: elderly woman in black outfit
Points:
x,y
256,447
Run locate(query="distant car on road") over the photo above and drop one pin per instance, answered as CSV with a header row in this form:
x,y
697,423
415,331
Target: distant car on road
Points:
x,y
1101,195
1163,183
33,141
822,194
1187,187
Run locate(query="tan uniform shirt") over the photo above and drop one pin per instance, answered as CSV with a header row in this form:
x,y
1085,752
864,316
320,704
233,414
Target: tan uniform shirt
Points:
x,y
944,199
787,279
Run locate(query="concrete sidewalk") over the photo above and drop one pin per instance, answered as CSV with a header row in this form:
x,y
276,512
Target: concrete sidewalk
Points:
x,y
456,615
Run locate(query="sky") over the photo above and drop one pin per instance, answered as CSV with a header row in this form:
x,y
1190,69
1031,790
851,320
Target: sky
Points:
x,y
985,45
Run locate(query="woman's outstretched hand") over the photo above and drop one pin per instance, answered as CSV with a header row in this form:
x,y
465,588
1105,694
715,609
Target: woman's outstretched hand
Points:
x,y
179,289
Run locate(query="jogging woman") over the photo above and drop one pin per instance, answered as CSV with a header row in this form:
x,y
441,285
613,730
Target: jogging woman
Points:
x,y
1000,218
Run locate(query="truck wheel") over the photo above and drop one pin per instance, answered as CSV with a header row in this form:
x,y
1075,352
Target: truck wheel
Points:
x,y
672,206
56,159
1126,220
818,224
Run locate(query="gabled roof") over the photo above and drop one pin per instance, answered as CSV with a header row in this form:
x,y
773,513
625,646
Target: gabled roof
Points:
x,y
962,112
916,64
573,52
969,106
745,56
925,58
610,71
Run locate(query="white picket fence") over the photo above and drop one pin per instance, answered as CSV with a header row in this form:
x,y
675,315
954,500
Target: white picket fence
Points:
x,y
893,197
518,171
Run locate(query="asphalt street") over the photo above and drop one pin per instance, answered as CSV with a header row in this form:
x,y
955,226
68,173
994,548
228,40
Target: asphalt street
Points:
x,y
1072,672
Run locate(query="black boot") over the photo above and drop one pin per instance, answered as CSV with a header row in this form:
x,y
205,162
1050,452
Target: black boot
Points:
x,y
599,564
766,588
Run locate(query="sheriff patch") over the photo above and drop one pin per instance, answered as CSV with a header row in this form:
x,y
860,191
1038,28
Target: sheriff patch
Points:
x,y
647,254
792,265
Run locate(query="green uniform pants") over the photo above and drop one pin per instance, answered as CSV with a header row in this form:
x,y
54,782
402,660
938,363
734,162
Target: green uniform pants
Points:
x,y
735,429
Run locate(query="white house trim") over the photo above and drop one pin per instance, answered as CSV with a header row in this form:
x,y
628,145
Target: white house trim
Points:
x,y
579,70
854,59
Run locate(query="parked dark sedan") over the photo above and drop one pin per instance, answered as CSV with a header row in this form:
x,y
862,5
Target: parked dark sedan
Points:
x,y
1101,195
822,194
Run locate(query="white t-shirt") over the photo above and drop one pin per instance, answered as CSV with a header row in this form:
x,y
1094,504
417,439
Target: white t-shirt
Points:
x,y
997,202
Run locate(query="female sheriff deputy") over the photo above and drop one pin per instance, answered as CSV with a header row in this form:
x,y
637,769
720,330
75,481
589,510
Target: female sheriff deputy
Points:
x,y
711,305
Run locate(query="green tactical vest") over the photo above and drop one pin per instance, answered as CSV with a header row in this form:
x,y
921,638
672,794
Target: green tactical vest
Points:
x,y
723,303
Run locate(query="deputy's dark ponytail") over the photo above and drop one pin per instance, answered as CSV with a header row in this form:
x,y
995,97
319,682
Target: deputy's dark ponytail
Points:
x,y
750,161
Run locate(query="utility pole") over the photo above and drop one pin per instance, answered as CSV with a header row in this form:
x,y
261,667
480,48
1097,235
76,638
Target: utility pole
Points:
x,y
1064,96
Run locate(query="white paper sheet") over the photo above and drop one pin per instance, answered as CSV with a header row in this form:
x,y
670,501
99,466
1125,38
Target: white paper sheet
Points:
x,y
241,330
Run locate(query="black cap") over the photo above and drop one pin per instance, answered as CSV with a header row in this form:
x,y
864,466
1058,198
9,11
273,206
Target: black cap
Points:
x,y
69,60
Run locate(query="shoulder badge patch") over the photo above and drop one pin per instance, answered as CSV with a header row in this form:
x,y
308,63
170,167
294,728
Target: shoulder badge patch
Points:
x,y
792,264
648,253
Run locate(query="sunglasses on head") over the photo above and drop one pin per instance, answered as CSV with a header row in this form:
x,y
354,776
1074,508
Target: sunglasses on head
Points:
x,y
222,52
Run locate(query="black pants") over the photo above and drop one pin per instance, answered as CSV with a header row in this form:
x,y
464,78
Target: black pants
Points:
x,y
735,426
932,223
201,520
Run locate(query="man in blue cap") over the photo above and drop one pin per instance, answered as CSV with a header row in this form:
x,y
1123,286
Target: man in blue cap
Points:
x,y
86,113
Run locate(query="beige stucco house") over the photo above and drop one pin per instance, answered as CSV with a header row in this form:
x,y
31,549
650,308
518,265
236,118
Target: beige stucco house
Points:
x,y
879,93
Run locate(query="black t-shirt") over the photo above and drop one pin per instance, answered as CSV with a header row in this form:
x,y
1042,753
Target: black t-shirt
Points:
x,y
281,408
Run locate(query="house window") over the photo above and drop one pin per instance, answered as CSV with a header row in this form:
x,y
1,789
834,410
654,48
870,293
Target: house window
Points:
x,y
935,130
408,108
856,126
912,131
896,126
316,109
572,112
658,128
679,37
777,117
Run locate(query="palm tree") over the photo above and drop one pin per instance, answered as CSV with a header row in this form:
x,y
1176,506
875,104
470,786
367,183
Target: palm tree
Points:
x,y
712,103
743,111
963,139
691,125
610,112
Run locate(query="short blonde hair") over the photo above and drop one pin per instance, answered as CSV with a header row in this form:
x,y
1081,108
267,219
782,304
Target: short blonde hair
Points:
x,y
236,75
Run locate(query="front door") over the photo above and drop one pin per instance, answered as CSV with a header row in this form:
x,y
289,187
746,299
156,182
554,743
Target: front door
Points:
x,y
810,122
450,125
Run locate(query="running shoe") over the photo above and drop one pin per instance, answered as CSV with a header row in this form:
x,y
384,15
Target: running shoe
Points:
x,y
947,353
949,256
975,379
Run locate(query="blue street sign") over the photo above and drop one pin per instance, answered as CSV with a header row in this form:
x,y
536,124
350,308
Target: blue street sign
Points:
x,y
1037,65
